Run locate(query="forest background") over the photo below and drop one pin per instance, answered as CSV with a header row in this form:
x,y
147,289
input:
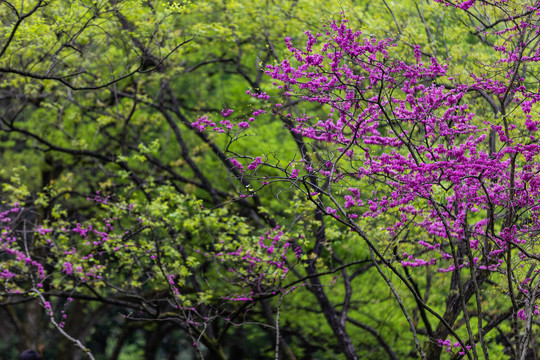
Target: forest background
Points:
x,y
191,180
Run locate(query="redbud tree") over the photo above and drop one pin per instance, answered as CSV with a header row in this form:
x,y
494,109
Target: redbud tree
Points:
x,y
446,164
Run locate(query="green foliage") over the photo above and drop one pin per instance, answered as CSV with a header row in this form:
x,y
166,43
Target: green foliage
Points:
x,y
91,94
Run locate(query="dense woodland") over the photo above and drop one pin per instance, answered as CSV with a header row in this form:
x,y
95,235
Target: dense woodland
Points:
x,y
263,179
